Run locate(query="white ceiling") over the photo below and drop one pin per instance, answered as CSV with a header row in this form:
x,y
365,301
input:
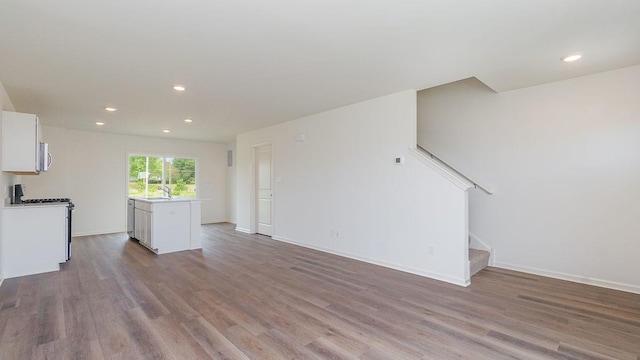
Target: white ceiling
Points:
x,y
248,64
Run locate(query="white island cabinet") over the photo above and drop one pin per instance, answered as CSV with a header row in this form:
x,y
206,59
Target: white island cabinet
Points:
x,y
166,225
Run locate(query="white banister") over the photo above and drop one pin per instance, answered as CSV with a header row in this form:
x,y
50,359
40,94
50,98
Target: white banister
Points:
x,y
458,172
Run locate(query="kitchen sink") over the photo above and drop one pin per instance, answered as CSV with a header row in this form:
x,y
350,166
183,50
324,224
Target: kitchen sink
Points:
x,y
156,198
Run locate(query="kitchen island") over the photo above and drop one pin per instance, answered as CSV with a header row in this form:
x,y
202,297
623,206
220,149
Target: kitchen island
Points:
x,y
165,225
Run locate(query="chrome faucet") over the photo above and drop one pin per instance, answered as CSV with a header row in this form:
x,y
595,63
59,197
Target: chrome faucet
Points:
x,y
165,189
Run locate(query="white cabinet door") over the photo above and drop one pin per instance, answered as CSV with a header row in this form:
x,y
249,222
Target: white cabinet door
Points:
x,y
148,226
140,220
20,143
143,227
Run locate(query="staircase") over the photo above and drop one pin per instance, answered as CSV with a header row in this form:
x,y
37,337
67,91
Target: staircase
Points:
x,y
478,260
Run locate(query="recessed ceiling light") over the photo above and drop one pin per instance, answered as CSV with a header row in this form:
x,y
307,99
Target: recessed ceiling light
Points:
x,y
188,120
110,109
179,87
166,131
99,123
571,58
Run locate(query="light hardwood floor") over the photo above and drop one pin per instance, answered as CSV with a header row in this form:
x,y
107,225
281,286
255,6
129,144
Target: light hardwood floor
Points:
x,y
249,297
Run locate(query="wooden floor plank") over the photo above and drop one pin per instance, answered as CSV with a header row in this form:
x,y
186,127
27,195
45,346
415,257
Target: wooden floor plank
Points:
x,y
110,328
80,327
213,341
181,344
145,336
247,296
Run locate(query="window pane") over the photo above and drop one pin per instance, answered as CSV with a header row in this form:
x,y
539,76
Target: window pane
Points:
x,y
155,176
182,175
147,174
137,175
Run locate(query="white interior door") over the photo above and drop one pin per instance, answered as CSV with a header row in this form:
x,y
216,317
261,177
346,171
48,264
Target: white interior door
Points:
x,y
264,191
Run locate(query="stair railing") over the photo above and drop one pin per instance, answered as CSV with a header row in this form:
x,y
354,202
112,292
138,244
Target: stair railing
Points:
x,y
476,184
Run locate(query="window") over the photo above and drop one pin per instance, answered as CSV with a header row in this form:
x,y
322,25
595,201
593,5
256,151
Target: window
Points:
x,y
149,174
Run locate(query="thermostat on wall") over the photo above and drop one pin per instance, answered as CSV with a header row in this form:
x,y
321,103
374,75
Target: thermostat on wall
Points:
x,y
400,160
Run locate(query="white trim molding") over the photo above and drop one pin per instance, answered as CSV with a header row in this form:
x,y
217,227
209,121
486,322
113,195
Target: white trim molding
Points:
x,y
244,230
427,274
573,278
99,232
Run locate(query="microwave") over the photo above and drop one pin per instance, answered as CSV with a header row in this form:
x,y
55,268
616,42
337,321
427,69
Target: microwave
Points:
x,y
45,157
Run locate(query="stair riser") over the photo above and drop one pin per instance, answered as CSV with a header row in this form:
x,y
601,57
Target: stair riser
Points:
x,y
478,260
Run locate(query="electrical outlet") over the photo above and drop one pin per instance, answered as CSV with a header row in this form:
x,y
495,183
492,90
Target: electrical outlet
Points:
x,y
338,233
432,250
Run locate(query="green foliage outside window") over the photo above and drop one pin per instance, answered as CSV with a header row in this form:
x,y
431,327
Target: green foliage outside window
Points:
x,y
140,185
180,187
146,174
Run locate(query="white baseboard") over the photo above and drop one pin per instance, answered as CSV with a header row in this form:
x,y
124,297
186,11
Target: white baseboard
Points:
x,y
1,281
54,268
478,244
570,277
101,232
428,274
105,232
243,230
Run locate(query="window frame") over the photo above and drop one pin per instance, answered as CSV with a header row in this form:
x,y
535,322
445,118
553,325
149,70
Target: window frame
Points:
x,y
163,158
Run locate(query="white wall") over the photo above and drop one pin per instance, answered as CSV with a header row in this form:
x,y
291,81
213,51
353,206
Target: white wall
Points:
x,y
6,179
564,161
92,169
343,177
231,185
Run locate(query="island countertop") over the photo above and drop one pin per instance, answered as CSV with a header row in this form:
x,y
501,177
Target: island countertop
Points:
x,y
155,200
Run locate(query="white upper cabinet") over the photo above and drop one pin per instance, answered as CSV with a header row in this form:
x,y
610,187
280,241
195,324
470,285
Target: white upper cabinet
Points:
x,y
21,149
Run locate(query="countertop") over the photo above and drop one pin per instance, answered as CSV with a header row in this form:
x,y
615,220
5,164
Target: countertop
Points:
x,y
165,200
29,206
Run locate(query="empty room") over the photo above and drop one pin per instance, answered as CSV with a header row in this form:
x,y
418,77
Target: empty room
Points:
x,y
320,179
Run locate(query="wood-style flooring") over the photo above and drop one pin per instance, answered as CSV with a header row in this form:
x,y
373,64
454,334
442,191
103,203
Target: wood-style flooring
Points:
x,y
250,297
